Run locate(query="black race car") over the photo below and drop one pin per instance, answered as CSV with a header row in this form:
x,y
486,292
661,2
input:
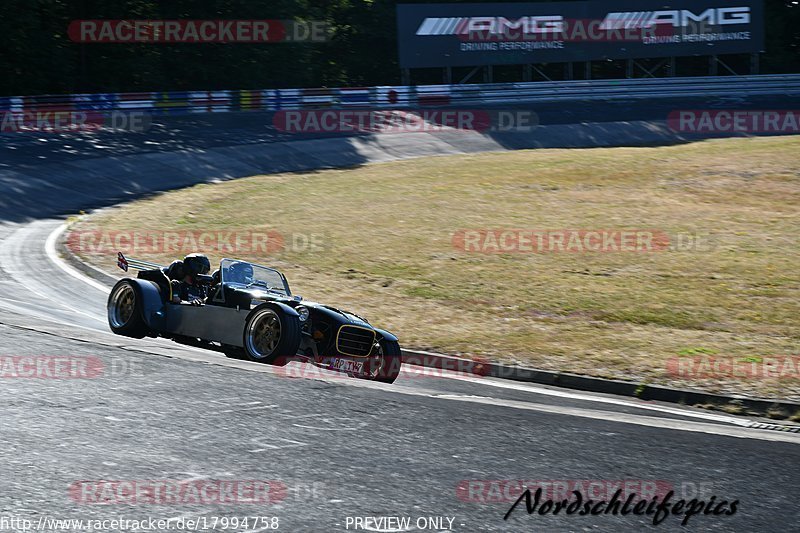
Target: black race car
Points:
x,y
251,313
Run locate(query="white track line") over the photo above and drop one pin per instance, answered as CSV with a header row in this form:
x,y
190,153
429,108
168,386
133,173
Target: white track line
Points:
x,y
512,385
14,238
50,250
640,420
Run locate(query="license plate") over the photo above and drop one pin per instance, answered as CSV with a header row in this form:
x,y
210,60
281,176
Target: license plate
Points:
x,y
347,365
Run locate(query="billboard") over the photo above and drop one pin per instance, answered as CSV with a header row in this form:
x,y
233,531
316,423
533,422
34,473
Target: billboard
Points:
x,y
442,35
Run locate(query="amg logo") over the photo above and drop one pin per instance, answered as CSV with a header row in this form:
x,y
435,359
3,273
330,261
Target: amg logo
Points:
x,y
492,25
679,18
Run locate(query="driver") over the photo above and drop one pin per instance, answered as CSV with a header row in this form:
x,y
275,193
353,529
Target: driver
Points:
x,y
240,272
185,285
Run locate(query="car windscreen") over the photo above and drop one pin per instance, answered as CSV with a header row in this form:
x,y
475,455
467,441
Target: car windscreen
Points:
x,y
251,275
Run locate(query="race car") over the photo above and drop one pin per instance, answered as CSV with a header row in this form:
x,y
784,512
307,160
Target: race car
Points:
x,y
250,313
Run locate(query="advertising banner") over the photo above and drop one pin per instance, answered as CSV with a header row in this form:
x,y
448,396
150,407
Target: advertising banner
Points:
x,y
442,35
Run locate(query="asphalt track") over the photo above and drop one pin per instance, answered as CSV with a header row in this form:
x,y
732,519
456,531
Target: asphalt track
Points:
x,y
340,447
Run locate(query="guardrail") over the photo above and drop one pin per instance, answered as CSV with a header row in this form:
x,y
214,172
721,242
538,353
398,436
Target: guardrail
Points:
x,y
188,102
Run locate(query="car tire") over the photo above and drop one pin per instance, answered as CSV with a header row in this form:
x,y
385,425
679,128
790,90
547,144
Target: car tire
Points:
x,y
392,361
125,311
271,335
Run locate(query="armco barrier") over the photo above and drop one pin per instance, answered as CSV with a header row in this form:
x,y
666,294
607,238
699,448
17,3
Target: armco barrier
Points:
x,y
188,102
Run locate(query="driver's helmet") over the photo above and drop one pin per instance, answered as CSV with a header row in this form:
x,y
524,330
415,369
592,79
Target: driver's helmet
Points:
x,y
196,264
240,272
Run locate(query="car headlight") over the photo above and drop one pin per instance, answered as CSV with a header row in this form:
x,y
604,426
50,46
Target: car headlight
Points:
x,y
303,312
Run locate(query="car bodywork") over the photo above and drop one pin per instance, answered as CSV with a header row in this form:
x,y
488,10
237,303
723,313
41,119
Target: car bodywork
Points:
x,y
328,337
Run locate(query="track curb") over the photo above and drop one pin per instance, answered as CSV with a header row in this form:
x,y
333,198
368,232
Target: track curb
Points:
x,y
762,407
777,409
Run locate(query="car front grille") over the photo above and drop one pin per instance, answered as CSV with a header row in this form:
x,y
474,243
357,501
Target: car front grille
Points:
x,y
355,341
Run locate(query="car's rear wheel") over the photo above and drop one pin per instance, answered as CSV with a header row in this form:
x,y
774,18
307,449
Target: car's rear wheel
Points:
x,y
385,363
271,335
125,311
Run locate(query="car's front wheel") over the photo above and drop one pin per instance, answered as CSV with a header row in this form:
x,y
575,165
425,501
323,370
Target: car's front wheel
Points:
x,y
385,363
125,311
271,335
